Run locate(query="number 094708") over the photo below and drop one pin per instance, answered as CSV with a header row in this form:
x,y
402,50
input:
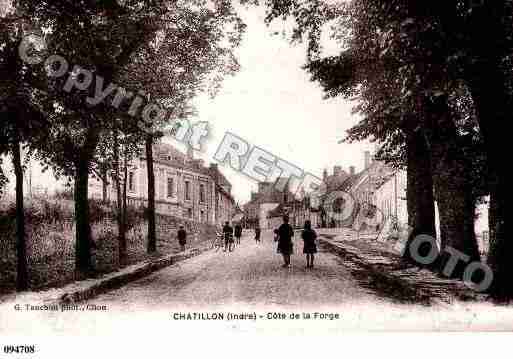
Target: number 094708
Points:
x,y
19,349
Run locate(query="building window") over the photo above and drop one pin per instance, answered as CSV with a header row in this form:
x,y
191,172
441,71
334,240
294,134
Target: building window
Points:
x,y
131,182
189,212
202,216
170,187
187,191
202,193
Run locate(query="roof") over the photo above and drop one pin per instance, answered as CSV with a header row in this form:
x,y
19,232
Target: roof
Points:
x,y
379,171
169,155
226,193
335,181
218,176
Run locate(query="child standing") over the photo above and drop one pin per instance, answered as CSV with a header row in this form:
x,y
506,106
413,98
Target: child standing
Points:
x,y
309,236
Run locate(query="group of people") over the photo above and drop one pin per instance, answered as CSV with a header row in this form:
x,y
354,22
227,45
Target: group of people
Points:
x,y
283,235
229,233
231,236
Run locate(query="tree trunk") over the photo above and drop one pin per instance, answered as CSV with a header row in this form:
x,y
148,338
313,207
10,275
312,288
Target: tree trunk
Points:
x,y
105,187
122,239
119,203
492,223
152,235
83,245
494,107
83,229
21,246
453,188
420,200
487,77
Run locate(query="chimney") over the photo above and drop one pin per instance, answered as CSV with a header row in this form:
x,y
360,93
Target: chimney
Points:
x,y
337,171
325,174
367,155
352,170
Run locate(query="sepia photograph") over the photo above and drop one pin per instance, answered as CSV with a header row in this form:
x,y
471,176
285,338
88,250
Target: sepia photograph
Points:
x,y
200,172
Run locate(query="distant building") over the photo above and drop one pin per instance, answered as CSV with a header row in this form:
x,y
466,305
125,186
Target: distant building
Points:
x,y
299,210
390,199
373,189
267,199
184,187
339,181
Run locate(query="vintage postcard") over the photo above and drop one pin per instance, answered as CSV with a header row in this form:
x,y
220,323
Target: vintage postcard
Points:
x,y
187,171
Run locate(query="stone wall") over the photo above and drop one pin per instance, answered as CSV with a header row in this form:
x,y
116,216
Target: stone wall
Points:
x,y
51,247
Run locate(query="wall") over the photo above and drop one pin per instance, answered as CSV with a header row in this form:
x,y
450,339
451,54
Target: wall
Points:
x,y
51,247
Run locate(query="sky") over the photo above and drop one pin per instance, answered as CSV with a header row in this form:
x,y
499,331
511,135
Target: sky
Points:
x,y
271,103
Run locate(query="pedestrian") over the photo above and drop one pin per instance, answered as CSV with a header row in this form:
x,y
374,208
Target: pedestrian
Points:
x,y
238,233
309,236
182,238
228,237
257,234
285,246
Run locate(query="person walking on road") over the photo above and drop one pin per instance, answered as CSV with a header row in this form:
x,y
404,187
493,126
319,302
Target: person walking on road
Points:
x,y
309,236
238,233
228,237
285,246
257,234
182,238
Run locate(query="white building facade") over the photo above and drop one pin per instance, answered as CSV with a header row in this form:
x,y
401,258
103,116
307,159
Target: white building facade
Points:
x,y
184,188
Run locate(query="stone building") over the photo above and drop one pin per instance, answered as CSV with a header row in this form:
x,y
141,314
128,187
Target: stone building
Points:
x,y
266,199
380,194
184,187
363,188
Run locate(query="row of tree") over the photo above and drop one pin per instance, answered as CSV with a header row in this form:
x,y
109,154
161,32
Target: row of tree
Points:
x,y
434,86
170,51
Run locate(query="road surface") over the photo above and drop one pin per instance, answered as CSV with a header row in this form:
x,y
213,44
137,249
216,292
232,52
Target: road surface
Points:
x,y
246,281
251,275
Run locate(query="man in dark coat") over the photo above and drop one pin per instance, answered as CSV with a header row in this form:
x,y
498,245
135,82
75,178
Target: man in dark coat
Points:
x,y
182,238
228,237
285,246
237,233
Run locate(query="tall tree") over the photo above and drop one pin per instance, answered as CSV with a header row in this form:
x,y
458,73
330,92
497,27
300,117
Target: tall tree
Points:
x,y
395,57
21,121
198,44
489,76
98,37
